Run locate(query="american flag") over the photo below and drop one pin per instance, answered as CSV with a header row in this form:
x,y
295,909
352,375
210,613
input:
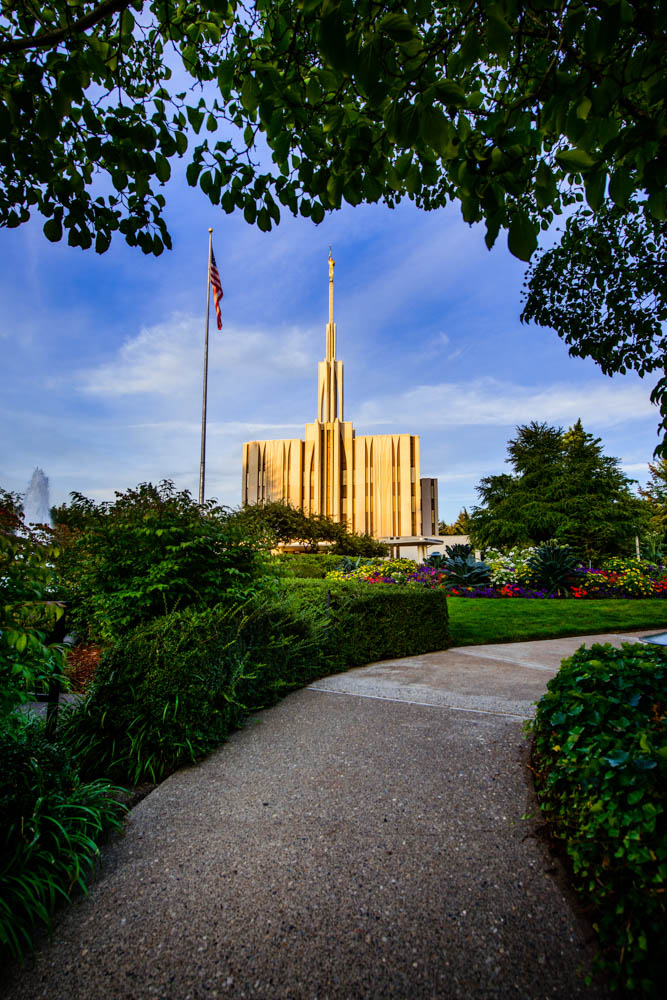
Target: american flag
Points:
x,y
214,278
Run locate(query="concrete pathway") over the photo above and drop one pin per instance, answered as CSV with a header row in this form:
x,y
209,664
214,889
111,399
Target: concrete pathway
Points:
x,y
362,839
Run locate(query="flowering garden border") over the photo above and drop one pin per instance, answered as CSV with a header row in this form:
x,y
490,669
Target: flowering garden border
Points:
x,y
621,579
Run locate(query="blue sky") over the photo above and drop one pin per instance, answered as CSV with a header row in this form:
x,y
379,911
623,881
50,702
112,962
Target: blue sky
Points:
x,y
102,355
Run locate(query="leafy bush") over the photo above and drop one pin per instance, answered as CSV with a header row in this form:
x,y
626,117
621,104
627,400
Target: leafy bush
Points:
x,y
459,551
364,624
172,690
28,610
312,566
653,546
149,552
550,568
437,560
281,522
50,828
466,572
600,756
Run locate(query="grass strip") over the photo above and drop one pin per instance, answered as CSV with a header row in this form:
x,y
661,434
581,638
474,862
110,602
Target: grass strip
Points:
x,y
479,620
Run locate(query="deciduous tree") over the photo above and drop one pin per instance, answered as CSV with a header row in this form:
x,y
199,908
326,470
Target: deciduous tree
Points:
x,y
603,289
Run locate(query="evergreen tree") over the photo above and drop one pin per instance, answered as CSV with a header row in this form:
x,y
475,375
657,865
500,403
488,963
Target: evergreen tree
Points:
x,y
458,527
563,488
600,514
654,495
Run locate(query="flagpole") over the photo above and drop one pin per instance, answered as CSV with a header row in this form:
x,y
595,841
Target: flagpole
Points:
x,y
202,461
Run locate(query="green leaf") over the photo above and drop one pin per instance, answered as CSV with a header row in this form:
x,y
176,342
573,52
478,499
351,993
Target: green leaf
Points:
x,y
250,94
450,92
313,90
399,27
192,173
621,186
618,758
583,108
498,32
250,212
575,160
522,236
596,184
195,117
53,230
162,169
332,39
436,129
317,212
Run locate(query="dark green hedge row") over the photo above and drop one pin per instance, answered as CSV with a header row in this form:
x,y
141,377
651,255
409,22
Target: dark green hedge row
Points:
x,y
368,622
173,689
600,758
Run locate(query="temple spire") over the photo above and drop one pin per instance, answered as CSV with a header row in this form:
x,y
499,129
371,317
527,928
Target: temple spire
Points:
x,y
332,264
330,371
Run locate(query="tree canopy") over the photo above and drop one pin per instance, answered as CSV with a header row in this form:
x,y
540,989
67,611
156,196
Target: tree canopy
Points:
x,y
514,109
562,488
518,110
457,527
603,289
282,523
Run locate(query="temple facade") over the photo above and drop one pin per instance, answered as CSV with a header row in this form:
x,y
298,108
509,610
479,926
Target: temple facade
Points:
x,y
370,482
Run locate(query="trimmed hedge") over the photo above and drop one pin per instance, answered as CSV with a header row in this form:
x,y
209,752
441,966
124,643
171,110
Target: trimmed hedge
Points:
x,y
172,690
600,758
374,622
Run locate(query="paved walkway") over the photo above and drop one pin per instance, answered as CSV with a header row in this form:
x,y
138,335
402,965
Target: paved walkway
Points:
x,y
362,839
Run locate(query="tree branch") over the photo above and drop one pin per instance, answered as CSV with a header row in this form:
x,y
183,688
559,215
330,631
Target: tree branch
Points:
x,y
47,39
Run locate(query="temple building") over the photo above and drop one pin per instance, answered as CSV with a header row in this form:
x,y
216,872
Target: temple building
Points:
x,y
371,482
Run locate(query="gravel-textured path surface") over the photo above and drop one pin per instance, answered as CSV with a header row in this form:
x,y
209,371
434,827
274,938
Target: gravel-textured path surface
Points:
x,y
362,839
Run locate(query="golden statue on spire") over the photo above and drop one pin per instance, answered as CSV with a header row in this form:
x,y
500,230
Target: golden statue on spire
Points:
x,y
331,336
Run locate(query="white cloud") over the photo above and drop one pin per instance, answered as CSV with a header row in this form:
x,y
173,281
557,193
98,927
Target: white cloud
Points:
x,y
489,401
167,359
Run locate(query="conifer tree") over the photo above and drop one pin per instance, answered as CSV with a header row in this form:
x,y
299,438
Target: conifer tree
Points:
x,y
563,488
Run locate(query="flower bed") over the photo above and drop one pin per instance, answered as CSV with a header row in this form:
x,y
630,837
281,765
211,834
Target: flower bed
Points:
x,y
510,577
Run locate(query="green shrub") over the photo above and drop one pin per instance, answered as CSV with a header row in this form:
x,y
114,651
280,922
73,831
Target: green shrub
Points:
x,y
600,757
28,610
458,551
466,572
374,622
151,551
281,522
50,827
550,568
172,690
310,565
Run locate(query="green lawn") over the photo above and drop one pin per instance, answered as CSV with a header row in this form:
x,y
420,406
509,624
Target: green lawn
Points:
x,y
473,621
